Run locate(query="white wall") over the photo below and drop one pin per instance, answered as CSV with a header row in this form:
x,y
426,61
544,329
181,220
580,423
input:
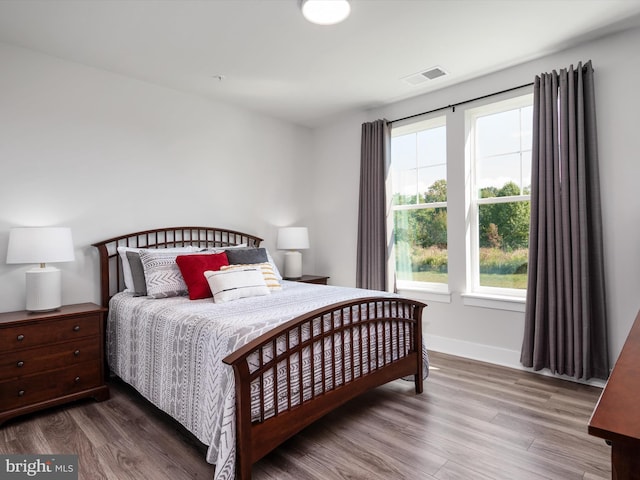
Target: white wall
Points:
x,y
484,333
336,173
107,155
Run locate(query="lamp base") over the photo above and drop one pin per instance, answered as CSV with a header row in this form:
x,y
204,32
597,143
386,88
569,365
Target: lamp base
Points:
x,y
44,289
292,265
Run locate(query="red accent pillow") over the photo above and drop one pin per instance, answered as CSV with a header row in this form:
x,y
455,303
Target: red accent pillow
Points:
x,y
193,267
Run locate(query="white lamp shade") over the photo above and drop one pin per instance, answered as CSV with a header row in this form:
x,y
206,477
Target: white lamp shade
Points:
x,y
40,245
293,238
325,12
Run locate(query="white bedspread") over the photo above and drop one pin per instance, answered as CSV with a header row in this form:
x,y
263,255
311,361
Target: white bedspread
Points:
x,y
171,351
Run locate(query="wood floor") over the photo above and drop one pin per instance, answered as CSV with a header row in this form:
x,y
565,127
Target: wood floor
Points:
x,y
474,421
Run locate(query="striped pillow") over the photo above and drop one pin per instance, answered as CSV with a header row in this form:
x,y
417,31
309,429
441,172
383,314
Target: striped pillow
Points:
x,y
235,284
270,278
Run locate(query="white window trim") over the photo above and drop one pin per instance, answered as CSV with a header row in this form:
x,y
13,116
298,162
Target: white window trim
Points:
x,y
496,301
431,291
477,295
427,291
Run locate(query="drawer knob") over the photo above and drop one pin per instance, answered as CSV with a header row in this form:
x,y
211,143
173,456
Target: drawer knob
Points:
x,y
76,353
21,393
76,380
20,364
20,337
76,328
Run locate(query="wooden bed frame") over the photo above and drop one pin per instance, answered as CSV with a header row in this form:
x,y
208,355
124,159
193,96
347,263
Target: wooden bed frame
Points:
x,y
393,326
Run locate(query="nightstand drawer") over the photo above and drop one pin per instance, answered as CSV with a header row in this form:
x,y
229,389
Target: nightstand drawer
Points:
x,y
57,383
34,360
49,331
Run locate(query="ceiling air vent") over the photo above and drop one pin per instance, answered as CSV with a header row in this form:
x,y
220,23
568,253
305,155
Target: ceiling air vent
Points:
x,y
422,77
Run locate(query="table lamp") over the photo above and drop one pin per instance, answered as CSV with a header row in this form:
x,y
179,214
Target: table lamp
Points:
x,y
41,245
293,239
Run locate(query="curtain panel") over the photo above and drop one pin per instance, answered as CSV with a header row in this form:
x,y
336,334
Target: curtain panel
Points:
x,y
371,266
565,317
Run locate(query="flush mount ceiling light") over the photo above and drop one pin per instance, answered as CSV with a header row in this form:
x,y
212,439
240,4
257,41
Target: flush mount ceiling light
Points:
x,y
325,12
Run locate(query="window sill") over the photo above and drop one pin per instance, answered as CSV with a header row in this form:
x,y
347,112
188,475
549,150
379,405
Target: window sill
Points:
x,y
423,294
498,302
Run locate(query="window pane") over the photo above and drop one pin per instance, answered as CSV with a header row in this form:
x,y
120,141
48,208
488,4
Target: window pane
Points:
x,y
432,147
495,172
432,184
404,187
418,162
403,152
526,119
498,133
503,150
421,245
526,172
504,244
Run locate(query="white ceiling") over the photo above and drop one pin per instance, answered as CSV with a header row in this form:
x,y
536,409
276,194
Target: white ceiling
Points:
x,y
275,62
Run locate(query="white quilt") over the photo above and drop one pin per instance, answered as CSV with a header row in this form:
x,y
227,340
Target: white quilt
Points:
x,y
171,351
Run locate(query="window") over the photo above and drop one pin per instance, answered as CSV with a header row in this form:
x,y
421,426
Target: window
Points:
x,y
499,148
419,188
460,184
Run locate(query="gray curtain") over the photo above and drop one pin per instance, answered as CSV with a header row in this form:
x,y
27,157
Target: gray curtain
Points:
x,y
565,318
371,267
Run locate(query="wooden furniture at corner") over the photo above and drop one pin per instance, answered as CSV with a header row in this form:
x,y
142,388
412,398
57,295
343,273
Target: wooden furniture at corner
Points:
x,y
317,279
51,358
616,417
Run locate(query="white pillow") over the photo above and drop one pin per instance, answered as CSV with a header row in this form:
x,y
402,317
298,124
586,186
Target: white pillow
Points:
x,y
267,272
227,285
126,267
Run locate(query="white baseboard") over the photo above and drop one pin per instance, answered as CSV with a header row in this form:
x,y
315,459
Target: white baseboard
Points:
x,y
491,354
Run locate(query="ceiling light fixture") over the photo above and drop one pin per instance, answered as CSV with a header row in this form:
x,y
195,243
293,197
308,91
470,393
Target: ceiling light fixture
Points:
x,y
325,12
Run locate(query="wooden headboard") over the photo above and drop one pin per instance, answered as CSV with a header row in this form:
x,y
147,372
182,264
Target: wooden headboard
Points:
x,y
111,279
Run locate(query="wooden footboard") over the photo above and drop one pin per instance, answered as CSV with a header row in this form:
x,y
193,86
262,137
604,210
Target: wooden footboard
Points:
x,y
293,375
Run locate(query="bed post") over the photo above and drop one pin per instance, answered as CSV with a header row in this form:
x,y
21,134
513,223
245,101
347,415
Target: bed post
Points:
x,y
244,442
104,274
418,380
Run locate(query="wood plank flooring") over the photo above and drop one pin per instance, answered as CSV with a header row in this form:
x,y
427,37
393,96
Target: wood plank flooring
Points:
x,y
474,421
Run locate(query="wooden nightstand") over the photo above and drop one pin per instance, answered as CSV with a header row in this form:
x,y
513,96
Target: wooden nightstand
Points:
x,y
51,358
319,279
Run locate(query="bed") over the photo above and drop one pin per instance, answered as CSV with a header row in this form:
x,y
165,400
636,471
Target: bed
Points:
x,y
245,375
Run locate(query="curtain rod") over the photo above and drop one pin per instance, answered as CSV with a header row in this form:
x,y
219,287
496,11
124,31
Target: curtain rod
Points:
x,y
454,105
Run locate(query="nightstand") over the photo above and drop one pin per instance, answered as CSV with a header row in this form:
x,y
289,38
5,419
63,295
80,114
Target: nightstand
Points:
x,y
51,358
318,279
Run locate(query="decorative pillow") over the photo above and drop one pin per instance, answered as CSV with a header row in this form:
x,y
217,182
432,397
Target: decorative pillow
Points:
x,y
223,249
244,256
267,272
274,266
161,273
250,255
192,268
235,284
137,274
126,268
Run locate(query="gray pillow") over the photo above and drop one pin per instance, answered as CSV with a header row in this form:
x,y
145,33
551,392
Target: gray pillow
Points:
x,y
244,256
137,272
